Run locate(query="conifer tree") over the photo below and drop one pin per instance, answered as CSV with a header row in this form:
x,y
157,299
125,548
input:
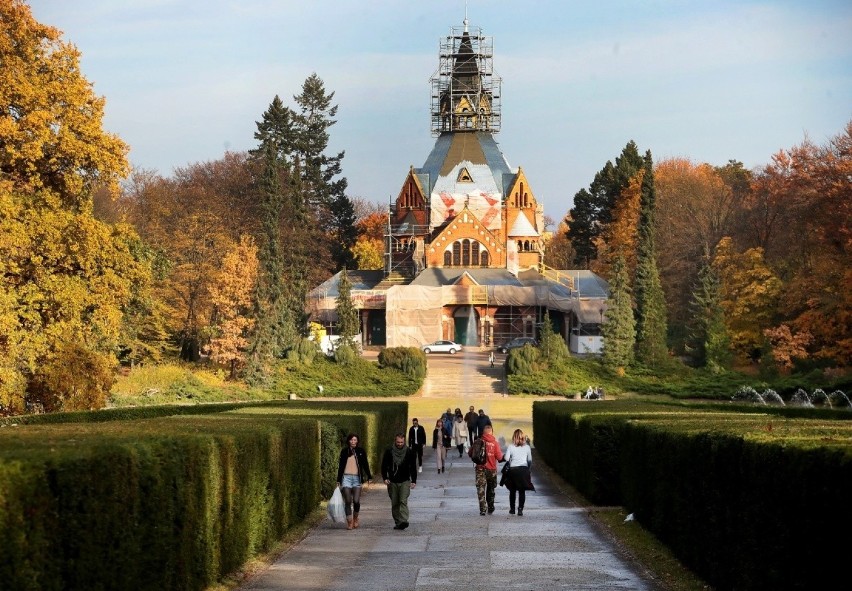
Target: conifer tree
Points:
x,y
592,210
347,314
651,328
709,345
619,329
552,345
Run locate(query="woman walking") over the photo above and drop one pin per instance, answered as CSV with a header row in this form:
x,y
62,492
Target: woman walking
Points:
x,y
352,470
460,433
519,458
440,443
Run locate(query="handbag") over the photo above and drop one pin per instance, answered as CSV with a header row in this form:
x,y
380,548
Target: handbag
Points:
x,y
505,470
336,510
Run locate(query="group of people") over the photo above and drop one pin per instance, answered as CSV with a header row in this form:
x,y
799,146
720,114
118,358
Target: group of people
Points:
x,y
403,461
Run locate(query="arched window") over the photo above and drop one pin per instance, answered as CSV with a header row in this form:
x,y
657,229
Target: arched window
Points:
x,y
456,254
448,258
483,258
474,254
465,248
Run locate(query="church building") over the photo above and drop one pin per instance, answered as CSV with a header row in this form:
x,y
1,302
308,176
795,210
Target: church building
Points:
x,y
464,242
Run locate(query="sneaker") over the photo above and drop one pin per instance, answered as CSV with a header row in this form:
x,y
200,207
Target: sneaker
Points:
x,y
520,512
482,512
398,526
403,525
512,511
420,469
490,510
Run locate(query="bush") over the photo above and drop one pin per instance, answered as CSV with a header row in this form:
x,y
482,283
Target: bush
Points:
x,y
345,355
522,361
75,379
409,360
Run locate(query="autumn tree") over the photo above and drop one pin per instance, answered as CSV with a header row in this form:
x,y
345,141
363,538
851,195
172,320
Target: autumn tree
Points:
x,y
618,239
619,328
65,277
810,242
651,327
52,143
749,292
369,247
231,296
696,207
559,253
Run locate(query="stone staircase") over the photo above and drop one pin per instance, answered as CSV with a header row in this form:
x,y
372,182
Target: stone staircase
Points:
x,y
466,375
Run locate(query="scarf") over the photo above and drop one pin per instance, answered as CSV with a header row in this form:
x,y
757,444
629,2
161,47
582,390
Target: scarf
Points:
x,y
398,455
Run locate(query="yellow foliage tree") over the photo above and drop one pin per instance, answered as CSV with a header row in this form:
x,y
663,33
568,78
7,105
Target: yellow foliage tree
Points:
x,y
51,134
369,253
749,294
231,296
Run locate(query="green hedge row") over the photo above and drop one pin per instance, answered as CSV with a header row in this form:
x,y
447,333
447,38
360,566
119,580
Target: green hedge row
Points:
x,y
173,502
745,500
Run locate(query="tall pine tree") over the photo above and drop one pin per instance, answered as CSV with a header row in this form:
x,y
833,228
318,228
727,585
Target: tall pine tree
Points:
x,y
592,210
324,190
709,345
619,329
347,314
651,323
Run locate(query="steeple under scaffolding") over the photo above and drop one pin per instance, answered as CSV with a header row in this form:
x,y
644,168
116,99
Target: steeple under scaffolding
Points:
x,y
465,88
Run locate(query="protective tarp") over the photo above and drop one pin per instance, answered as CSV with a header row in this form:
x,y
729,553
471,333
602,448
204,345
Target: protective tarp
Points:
x,y
484,205
412,316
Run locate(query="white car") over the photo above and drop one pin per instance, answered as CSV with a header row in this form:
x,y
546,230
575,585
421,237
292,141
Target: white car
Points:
x,y
442,347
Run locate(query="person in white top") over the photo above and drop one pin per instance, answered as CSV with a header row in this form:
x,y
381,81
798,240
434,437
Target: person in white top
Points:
x,y
460,434
519,457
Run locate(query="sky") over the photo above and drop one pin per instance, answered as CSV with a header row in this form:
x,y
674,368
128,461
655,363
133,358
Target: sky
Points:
x,y
187,80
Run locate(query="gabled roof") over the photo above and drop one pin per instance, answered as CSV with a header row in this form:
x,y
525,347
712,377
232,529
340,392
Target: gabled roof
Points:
x,y
436,277
360,280
409,224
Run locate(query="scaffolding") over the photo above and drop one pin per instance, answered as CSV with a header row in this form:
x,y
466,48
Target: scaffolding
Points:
x,y
465,88
405,248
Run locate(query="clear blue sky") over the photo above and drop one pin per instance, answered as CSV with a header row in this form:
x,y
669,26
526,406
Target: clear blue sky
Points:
x,y
185,80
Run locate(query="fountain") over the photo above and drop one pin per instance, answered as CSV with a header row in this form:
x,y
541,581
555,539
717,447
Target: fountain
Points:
x,y
747,394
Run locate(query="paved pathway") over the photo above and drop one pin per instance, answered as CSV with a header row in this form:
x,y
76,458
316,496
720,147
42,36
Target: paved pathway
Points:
x,y
449,546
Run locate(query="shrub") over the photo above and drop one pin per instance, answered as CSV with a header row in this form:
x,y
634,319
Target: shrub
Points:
x,y
75,379
345,355
522,361
409,360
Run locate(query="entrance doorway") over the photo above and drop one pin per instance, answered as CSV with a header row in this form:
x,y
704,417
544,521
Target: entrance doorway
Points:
x,y
466,321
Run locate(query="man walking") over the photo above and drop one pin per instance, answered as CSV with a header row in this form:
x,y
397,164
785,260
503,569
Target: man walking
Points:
x,y
482,420
416,441
399,472
486,474
470,418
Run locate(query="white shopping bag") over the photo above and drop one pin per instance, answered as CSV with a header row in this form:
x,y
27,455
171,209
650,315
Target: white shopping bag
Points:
x,y
335,506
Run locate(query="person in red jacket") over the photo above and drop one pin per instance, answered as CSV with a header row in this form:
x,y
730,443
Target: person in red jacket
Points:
x,y
486,474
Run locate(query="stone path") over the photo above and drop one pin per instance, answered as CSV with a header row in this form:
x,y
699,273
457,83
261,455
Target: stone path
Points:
x,y
450,546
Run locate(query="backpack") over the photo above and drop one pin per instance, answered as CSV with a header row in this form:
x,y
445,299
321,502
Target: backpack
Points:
x,y
477,452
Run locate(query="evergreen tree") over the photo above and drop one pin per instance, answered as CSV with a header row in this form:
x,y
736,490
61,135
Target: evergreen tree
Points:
x,y
592,210
709,345
347,314
650,301
552,345
619,330
324,191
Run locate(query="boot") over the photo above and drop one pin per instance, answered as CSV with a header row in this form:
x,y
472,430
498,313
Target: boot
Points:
x,y
355,521
349,522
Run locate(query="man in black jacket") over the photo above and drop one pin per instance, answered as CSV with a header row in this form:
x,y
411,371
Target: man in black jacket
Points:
x,y
416,441
399,471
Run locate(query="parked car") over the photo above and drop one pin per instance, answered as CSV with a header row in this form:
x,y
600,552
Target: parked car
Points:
x,y
442,347
517,343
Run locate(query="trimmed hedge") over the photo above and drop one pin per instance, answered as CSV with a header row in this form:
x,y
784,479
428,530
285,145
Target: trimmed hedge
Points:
x,y
742,499
169,503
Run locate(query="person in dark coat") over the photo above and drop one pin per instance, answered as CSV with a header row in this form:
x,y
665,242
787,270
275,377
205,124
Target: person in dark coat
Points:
x,y
353,469
416,441
470,418
481,421
399,473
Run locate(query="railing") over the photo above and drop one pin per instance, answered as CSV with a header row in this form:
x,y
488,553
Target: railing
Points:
x,y
557,276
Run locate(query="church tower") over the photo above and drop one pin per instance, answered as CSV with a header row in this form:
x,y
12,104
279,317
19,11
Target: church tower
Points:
x,y
465,207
